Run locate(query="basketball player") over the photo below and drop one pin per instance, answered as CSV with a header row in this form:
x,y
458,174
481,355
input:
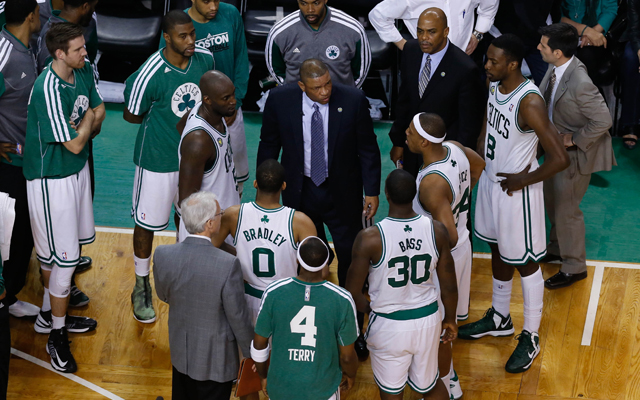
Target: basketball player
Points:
x,y
312,324
401,254
164,89
64,110
204,152
265,233
444,184
510,208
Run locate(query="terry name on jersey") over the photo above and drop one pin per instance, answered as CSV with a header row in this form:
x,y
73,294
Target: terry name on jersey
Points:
x,y
301,355
264,233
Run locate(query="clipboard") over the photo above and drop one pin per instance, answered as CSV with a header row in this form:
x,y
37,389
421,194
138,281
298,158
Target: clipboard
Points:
x,y
248,380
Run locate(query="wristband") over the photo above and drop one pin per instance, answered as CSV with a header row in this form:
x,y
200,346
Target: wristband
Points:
x,y
260,356
585,28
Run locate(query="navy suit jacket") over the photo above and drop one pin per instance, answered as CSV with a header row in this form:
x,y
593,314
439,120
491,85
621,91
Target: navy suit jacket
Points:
x,y
353,153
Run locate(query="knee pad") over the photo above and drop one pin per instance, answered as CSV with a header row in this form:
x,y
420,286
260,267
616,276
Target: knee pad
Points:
x,y
60,281
46,267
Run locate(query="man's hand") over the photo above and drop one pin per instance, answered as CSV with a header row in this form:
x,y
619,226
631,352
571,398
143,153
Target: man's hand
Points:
x,y
230,120
6,148
96,132
370,206
240,189
450,331
87,119
264,387
346,384
473,43
400,43
594,38
567,139
513,182
397,154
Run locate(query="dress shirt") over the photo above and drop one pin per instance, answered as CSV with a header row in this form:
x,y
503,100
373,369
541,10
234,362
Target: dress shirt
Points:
x,y
559,72
435,61
208,239
307,113
460,15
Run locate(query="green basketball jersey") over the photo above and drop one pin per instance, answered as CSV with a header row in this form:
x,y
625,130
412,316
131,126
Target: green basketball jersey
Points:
x,y
163,93
307,323
52,105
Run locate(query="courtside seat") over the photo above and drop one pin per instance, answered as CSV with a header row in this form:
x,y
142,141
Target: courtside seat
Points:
x,y
259,17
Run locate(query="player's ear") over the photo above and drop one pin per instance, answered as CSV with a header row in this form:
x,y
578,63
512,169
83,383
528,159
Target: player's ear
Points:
x,y
284,186
301,85
255,183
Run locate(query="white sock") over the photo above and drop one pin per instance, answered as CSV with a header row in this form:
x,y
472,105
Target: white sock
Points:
x,y
143,265
447,380
502,296
46,301
532,293
452,372
58,322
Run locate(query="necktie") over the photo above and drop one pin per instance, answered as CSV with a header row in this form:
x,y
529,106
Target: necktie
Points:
x,y
425,75
318,163
549,90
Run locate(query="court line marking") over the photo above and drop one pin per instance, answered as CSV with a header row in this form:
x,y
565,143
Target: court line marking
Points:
x,y
592,309
72,377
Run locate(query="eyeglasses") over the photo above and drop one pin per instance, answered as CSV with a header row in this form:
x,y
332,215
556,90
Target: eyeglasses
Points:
x,y
221,213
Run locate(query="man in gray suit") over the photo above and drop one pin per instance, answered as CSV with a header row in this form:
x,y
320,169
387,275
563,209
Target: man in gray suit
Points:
x,y
580,114
208,316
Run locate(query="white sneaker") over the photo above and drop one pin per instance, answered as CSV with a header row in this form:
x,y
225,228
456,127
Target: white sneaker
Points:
x,y
21,309
454,387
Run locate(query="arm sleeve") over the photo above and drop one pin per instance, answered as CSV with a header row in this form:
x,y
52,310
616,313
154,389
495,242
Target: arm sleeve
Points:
x,y
470,109
1,277
270,140
137,93
362,59
608,12
348,328
633,11
95,98
368,150
53,119
235,308
159,279
486,10
264,325
383,17
592,106
241,56
275,61
2,86
43,57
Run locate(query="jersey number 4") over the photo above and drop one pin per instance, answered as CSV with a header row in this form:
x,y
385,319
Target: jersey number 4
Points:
x,y
309,329
419,266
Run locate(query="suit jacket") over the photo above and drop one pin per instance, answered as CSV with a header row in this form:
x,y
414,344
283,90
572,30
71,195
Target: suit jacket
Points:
x,y
353,153
455,93
208,316
579,108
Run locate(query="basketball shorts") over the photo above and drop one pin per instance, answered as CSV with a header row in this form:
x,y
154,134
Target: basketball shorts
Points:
x,y
463,259
404,352
61,214
153,195
253,305
515,223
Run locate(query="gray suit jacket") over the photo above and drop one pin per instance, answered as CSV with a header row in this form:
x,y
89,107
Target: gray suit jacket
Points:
x,y
208,316
579,108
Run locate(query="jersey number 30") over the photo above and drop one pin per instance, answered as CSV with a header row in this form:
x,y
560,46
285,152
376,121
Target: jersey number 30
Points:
x,y
309,329
419,266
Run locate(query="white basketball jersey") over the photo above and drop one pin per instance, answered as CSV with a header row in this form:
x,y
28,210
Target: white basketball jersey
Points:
x,y
265,244
508,148
455,169
220,178
403,278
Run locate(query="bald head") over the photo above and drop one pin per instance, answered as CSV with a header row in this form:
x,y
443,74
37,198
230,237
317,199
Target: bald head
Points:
x,y
218,94
315,80
213,82
432,30
312,69
436,15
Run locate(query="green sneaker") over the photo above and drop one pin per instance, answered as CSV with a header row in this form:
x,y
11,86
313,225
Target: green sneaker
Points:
x,y
493,323
141,297
76,297
526,351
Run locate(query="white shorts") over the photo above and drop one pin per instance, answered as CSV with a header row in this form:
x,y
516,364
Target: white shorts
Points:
x,y
153,195
515,223
404,352
463,259
61,214
239,147
253,304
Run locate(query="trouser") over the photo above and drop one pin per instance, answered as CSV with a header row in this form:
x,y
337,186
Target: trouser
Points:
x,y
562,196
15,269
184,387
630,114
5,348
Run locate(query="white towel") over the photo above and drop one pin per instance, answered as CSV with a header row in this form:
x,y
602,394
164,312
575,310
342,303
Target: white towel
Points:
x,y
7,218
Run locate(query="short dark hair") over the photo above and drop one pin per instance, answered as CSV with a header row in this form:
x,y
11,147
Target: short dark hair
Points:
x,y
59,35
562,36
270,176
312,69
314,252
511,45
17,11
173,18
400,186
76,3
433,124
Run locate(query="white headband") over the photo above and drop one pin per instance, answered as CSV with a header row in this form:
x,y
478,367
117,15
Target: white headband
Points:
x,y
423,133
307,266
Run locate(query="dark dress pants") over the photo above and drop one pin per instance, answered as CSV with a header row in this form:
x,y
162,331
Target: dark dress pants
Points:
x,y
185,388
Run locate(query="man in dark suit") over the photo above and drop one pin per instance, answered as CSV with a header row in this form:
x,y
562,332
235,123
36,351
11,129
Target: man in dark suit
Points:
x,y
208,316
329,151
439,78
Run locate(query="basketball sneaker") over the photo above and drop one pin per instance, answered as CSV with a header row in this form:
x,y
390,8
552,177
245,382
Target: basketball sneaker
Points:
x,y
77,298
454,386
143,301
73,323
493,323
58,348
84,264
526,351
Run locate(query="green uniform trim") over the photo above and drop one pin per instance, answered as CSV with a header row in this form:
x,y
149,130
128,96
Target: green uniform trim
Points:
x,y
291,238
384,247
251,291
428,389
415,313
484,238
388,389
518,110
505,101
236,235
356,62
277,62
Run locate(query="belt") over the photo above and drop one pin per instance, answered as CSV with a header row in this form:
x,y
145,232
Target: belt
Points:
x,y
416,313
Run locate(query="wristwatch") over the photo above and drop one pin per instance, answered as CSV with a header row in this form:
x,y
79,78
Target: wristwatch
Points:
x,y
478,35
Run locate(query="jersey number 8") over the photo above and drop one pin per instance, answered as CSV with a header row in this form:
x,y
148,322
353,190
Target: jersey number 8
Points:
x,y
419,269
309,329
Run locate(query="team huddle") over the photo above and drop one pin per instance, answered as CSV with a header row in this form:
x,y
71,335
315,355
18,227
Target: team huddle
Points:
x,y
410,272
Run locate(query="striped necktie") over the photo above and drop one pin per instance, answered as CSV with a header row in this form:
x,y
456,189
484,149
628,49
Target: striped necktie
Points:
x,y
425,76
318,163
549,90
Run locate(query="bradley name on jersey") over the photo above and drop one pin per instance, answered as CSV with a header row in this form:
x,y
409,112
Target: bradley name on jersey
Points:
x,y
264,233
498,121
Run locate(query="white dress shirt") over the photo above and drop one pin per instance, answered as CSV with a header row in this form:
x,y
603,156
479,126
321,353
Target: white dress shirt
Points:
x,y
459,14
435,61
208,239
559,72
307,113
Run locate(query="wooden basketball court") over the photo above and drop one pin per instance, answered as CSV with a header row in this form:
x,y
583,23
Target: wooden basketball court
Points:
x,y
124,359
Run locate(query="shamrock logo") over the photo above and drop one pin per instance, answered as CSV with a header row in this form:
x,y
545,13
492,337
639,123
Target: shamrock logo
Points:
x,y
453,163
265,219
80,115
407,228
187,102
332,53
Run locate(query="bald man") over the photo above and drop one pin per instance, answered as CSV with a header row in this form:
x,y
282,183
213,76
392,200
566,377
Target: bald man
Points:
x,y
439,78
206,160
